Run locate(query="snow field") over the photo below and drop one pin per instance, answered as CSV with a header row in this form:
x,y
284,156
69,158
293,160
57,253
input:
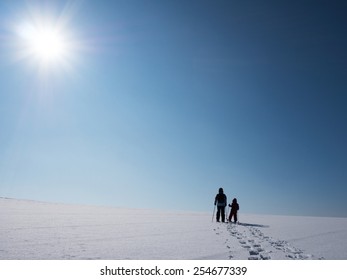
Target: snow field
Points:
x,y
31,230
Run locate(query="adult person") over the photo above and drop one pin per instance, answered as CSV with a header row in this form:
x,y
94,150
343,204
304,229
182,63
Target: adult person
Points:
x,y
221,202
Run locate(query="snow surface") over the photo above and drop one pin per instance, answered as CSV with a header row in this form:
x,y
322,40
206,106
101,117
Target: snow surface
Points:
x,y
32,230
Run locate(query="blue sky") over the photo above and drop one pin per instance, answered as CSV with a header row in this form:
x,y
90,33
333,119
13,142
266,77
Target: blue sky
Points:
x,y
157,104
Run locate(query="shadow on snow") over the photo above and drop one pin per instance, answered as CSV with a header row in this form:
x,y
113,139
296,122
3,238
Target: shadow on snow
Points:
x,y
253,225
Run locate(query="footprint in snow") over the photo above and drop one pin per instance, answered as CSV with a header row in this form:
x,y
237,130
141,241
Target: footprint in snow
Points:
x,y
265,256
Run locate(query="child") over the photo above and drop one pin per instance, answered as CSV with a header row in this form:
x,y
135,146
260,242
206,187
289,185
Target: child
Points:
x,y
234,208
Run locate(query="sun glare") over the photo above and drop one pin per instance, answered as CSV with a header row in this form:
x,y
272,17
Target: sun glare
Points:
x,y
45,42
47,45
43,38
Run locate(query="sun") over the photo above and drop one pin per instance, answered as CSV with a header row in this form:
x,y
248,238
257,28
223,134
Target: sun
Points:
x,y
46,40
47,44
43,43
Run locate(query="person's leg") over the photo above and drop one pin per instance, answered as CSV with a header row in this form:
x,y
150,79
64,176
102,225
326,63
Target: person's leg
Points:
x,y
218,213
231,216
223,214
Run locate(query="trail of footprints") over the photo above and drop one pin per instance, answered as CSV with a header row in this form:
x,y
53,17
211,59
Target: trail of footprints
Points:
x,y
262,247
251,242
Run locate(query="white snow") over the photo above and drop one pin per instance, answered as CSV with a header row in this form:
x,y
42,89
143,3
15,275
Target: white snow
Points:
x,y
32,230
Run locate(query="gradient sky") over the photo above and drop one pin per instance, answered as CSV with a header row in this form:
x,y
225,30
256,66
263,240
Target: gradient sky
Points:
x,y
160,103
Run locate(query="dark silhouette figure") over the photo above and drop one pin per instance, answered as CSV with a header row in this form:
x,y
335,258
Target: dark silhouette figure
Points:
x,y
233,212
221,202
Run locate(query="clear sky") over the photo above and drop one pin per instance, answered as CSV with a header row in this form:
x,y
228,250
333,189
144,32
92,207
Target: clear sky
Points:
x,y
157,104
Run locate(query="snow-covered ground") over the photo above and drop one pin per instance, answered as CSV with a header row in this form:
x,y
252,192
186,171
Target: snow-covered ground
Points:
x,y
36,230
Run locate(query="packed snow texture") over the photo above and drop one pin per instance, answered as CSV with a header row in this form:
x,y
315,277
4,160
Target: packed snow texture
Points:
x,y
36,230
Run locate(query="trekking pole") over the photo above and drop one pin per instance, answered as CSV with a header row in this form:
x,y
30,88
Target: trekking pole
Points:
x,y
214,210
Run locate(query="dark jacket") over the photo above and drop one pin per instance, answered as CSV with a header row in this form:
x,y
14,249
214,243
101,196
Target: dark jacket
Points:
x,y
221,199
234,206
